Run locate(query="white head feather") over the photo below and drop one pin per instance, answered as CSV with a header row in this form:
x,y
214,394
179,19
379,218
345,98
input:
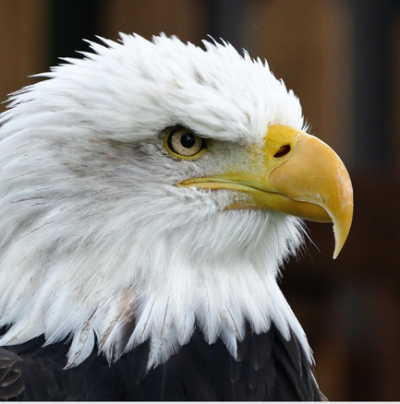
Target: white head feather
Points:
x,y
97,242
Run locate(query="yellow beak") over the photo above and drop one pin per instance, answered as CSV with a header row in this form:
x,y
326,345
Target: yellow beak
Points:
x,y
295,173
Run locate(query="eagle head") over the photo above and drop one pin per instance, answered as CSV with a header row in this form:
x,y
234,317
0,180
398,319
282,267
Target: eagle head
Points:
x,y
153,188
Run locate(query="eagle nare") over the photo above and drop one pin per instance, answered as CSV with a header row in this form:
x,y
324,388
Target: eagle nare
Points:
x,y
149,194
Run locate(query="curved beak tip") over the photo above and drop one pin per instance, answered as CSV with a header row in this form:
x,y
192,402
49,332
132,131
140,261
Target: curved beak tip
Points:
x,y
341,227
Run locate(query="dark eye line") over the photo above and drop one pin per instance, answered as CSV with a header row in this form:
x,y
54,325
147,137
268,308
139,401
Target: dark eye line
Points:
x,y
169,140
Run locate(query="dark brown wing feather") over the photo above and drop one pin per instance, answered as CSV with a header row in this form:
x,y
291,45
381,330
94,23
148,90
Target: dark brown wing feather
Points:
x,y
10,374
268,368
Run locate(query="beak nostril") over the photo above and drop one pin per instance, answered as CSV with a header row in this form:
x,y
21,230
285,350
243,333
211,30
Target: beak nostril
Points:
x,y
282,151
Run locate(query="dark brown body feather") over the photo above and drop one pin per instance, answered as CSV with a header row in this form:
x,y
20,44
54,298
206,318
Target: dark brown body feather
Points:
x,y
268,368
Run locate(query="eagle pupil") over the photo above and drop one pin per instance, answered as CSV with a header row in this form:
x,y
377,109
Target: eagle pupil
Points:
x,y
188,140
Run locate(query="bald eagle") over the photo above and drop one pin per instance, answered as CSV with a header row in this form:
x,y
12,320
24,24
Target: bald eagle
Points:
x,y
149,196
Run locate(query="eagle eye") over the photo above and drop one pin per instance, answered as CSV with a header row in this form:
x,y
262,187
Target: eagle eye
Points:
x,y
183,143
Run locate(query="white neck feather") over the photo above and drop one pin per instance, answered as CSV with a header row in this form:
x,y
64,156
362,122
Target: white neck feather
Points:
x,y
147,285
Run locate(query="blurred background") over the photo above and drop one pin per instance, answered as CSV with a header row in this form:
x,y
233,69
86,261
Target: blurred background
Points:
x,y
342,58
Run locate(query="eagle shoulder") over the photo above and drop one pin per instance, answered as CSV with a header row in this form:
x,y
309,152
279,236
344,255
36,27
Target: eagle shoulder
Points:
x,y
268,367
10,374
